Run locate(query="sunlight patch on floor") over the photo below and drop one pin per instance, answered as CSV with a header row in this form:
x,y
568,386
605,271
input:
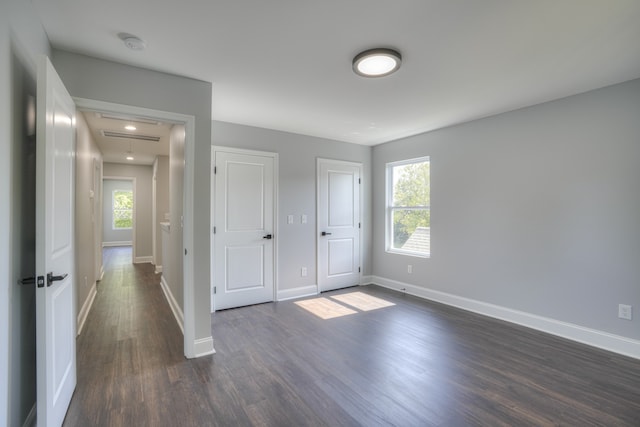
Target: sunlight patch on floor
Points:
x,y
347,304
325,308
362,301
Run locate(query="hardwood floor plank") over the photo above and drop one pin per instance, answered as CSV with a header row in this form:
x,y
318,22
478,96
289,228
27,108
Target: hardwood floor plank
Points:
x,y
414,363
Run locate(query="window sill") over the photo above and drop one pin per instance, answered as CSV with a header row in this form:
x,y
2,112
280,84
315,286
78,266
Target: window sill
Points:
x,y
408,253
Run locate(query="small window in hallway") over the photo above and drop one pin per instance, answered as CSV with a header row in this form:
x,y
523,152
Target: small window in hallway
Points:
x,y
122,209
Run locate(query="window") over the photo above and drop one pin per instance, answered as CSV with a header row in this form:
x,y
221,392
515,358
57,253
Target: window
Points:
x,y
408,207
122,209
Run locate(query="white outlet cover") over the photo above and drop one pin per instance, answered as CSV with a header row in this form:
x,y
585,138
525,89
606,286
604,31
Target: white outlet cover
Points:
x,y
289,219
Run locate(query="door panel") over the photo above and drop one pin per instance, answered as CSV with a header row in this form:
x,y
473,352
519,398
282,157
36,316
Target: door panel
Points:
x,y
243,216
340,257
55,298
338,224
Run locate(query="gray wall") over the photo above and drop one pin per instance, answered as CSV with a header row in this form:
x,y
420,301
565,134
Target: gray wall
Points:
x,y
96,79
22,39
174,267
109,235
535,210
297,192
87,211
143,205
161,178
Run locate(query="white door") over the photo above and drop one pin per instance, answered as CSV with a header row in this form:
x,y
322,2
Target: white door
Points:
x,y
338,224
55,298
244,227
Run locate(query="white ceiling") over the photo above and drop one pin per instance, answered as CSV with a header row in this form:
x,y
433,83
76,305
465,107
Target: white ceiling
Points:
x,y
116,149
286,64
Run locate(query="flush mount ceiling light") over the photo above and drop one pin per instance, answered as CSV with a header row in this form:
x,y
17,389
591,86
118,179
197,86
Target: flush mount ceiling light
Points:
x,y
130,127
132,42
378,62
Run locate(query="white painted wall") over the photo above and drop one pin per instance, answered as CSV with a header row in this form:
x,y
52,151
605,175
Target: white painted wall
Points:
x,y
534,210
22,39
161,179
87,211
174,263
109,235
297,194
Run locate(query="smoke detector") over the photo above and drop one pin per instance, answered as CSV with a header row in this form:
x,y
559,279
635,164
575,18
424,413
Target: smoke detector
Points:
x,y
132,42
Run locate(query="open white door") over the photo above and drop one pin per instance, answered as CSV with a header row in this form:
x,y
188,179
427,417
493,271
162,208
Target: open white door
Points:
x,y
338,224
244,221
55,299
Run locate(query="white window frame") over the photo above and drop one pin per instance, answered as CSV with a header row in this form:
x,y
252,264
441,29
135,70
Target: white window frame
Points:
x,y
390,208
113,210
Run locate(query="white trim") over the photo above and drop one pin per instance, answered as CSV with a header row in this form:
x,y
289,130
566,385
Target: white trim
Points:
x,y
143,259
158,269
366,280
593,337
117,243
86,307
189,123
175,307
30,421
203,347
301,292
101,273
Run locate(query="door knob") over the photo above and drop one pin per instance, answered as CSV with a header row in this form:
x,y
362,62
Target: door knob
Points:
x,y
51,278
268,236
324,233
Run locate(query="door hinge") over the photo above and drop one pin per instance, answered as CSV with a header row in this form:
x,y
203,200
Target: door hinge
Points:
x,y
358,269
214,289
214,230
215,170
359,225
185,251
359,180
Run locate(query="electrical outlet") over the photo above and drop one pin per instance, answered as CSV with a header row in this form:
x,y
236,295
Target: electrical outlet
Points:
x,y
625,311
303,272
303,219
289,219
410,269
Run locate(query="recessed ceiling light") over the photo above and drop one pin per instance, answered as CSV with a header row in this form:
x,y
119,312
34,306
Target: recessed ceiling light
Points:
x,y
377,62
130,127
129,157
132,42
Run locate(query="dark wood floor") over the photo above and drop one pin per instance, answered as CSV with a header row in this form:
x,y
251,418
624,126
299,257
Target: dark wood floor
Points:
x,y
413,364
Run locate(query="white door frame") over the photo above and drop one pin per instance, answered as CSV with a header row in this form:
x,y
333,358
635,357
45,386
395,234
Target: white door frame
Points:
x,y
320,161
214,150
190,344
135,203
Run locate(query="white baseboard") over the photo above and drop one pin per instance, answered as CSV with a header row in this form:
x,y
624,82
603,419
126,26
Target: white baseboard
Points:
x,y
203,347
143,259
121,243
593,337
30,421
158,269
175,308
86,307
366,280
303,291
101,273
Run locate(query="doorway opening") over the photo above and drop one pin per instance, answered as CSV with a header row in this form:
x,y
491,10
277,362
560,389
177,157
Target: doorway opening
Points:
x,y
181,128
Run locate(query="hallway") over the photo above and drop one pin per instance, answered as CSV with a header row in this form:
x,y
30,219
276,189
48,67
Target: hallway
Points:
x,y
130,351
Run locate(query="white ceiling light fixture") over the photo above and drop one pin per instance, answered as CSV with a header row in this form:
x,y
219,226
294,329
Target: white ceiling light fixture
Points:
x,y
130,127
132,42
377,62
